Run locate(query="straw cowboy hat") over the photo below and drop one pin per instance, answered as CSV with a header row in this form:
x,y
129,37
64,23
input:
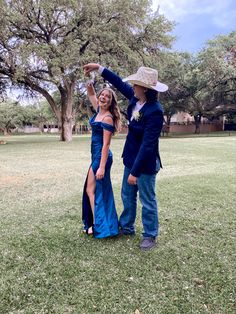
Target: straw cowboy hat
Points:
x,y
147,77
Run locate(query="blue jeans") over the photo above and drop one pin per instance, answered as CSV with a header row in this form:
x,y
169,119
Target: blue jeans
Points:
x,y
146,188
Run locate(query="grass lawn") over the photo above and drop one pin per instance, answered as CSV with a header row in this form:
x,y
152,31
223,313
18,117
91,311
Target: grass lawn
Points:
x,y
48,266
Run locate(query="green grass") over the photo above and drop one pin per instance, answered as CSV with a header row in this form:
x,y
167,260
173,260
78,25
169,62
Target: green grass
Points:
x,y
48,266
209,134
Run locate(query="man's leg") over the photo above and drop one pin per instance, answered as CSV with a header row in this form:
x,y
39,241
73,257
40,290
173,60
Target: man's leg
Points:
x,y
129,198
147,195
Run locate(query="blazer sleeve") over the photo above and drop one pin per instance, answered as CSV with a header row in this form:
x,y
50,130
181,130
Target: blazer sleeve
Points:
x,y
116,81
151,135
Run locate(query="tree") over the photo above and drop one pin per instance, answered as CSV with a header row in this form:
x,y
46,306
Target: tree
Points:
x,y
211,80
11,116
173,68
43,44
224,50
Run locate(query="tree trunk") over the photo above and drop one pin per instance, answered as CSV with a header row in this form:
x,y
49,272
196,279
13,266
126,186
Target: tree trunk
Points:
x,y
5,132
168,116
166,125
66,130
41,127
67,121
197,119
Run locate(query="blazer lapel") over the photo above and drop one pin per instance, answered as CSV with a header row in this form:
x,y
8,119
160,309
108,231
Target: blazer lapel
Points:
x,y
143,109
129,112
146,107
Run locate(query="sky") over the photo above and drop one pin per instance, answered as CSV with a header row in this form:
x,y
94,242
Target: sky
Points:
x,y
198,20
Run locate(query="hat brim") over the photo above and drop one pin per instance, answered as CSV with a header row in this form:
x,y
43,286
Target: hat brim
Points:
x,y
159,87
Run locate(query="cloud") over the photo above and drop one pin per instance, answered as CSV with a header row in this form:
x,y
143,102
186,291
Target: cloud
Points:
x,y
221,13
198,20
173,9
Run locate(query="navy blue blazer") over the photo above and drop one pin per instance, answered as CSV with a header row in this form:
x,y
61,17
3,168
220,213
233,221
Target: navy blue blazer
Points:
x,y
141,150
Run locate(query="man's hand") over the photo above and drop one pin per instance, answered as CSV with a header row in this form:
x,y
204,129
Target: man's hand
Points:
x,y
90,67
132,180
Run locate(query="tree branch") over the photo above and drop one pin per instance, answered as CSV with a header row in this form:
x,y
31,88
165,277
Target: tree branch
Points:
x,y
83,48
43,92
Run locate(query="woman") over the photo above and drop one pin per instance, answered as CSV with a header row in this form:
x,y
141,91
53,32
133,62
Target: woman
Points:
x,y
99,212
141,151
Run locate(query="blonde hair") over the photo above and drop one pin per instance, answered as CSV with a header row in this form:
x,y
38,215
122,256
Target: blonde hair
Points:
x,y
114,108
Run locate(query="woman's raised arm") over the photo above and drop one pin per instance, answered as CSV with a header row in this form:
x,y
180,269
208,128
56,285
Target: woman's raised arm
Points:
x,y
112,78
92,96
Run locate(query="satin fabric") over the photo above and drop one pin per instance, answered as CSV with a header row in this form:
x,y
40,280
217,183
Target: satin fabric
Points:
x,y
105,216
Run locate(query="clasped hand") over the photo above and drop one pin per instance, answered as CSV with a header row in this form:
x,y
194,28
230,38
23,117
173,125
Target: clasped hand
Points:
x,y
90,67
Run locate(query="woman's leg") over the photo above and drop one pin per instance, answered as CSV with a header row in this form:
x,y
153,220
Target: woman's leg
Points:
x,y
90,190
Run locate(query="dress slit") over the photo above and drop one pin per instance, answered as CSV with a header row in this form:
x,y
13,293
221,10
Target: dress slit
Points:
x,y
87,214
104,217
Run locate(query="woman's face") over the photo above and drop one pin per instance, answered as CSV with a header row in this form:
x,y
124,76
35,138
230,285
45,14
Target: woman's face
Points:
x,y
139,91
104,99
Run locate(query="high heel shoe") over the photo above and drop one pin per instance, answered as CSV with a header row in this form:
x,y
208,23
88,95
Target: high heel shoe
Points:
x,y
89,231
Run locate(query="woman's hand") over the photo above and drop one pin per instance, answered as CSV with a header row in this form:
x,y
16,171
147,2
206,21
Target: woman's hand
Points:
x,y
90,67
100,173
90,89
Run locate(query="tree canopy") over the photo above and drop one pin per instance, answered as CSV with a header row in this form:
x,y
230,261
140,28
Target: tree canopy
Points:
x,y
43,44
204,84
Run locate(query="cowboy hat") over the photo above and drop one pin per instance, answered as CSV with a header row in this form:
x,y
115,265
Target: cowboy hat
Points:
x,y
147,77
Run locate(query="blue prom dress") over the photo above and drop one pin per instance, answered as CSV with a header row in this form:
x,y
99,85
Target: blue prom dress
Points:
x,y
105,216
